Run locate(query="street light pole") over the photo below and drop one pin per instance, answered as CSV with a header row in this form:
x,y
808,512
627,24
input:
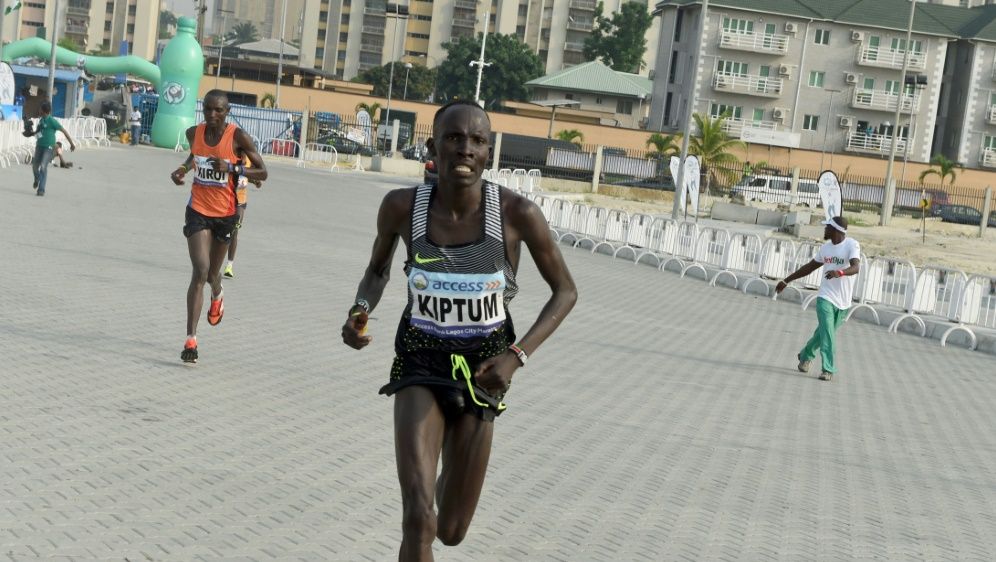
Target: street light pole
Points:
x,y
53,37
408,68
394,51
280,60
826,129
221,48
690,110
480,63
890,182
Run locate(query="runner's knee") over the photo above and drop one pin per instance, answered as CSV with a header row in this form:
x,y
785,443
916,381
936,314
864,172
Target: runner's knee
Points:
x,y
419,521
452,533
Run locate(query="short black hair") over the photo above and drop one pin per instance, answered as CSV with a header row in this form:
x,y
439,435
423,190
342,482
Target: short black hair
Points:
x,y
216,94
46,107
441,110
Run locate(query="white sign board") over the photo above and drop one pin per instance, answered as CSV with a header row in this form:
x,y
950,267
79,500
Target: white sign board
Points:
x,y
692,178
679,192
356,135
830,194
6,84
364,121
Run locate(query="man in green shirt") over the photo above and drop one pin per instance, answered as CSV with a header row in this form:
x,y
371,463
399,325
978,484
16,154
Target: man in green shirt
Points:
x,y
45,146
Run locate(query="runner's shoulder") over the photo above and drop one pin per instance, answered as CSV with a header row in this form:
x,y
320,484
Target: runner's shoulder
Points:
x,y
399,201
516,207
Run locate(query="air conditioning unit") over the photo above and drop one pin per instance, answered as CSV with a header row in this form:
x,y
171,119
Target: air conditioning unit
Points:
x,y
791,27
784,70
857,36
850,78
779,113
846,121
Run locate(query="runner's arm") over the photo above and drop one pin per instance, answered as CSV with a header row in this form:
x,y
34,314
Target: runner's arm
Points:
x,y
798,274
853,269
181,171
258,170
65,133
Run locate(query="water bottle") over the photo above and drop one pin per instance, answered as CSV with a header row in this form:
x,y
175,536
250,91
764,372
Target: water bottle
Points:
x,y
181,67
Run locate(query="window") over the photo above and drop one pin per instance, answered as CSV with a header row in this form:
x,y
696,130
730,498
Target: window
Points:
x,y
816,78
731,68
625,107
989,143
992,98
667,108
810,122
677,25
520,30
343,36
421,17
674,67
717,109
344,20
598,100
107,26
110,8
419,35
523,9
341,55
869,83
738,25
892,86
758,114
131,29
320,53
822,37
900,45
568,96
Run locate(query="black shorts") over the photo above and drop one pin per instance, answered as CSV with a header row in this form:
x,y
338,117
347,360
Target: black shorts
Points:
x,y
221,227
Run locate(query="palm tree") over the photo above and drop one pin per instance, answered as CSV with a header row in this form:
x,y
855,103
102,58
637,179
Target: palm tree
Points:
x,y
944,168
243,33
268,100
665,146
712,146
371,108
167,22
571,135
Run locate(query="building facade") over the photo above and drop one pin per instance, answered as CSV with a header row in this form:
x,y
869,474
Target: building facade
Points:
x,y
94,25
787,76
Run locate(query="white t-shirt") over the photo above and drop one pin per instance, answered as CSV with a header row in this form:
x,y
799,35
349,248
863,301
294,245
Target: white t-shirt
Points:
x,y
839,290
136,117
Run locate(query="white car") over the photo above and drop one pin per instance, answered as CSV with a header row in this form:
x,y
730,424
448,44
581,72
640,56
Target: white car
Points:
x,y
777,189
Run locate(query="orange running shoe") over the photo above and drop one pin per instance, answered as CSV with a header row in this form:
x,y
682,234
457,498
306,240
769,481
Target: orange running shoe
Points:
x,y
217,310
189,353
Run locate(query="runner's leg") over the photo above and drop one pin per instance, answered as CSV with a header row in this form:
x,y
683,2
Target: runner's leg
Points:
x,y
218,251
466,451
241,211
199,247
419,428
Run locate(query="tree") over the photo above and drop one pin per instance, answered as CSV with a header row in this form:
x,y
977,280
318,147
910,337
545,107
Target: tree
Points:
x,y
268,100
243,33
69,44
167,22
371,108
943,169
712,146
665,146
621,41
513,64
571,135
421,80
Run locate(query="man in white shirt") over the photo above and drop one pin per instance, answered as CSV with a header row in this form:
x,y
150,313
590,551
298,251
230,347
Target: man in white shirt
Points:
x,y
840,259
136,125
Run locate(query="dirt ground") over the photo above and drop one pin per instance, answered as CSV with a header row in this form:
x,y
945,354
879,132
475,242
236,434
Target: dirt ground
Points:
x,y
948,245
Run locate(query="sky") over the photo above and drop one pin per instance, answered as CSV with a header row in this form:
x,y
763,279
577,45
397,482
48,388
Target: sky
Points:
x,y
188,8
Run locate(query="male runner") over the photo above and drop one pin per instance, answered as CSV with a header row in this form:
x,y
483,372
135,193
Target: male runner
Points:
x,y
840,259
456,347
242,201
45,146
210,215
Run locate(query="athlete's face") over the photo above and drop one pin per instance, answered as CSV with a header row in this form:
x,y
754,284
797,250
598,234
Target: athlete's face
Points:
x,y
461,144
215,111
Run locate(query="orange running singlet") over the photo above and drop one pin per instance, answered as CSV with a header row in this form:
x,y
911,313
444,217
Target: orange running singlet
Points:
x,y
212,193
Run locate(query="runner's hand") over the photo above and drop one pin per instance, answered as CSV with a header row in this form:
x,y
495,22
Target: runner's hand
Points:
x,y
178,175
257,183
780,287
495,374
354,331
218,164
72,146
834,274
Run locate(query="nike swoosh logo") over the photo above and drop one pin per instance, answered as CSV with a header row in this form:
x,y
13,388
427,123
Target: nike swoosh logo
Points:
x,y
420,260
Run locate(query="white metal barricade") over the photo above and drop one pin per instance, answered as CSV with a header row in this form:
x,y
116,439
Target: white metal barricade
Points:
x,y
320,154
502,178
281,147
978,308
616,227
546,207
518,180
575,220
889,282
638,235
661,243
487,174
743,259
804,253
682,252
937,291
561,217
594,227
710,248
534,179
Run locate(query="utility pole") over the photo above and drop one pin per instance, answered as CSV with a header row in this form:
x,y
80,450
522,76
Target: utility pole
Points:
x,y
679,182
221,47
201,8
826,129
280,61
890,182
480,63
53,37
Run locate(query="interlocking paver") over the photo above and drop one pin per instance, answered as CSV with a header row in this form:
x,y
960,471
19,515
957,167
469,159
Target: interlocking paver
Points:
x,y
664,421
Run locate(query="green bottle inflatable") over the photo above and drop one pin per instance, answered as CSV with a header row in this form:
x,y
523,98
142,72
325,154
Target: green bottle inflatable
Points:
x,y
181,66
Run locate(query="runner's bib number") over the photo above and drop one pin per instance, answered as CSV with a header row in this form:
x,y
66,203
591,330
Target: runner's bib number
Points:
x,y
457,305
206,174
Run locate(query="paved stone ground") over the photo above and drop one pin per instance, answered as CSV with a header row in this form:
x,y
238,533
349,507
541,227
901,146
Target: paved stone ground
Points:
x,y
664,421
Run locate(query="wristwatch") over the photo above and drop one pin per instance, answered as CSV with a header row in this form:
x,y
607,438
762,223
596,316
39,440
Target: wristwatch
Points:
x,y
523,357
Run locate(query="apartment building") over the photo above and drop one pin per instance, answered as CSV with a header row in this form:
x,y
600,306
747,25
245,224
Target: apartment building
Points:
x,y
94,25
619,98
789,75
345,37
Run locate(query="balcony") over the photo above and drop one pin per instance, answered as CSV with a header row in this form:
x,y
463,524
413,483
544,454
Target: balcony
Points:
x,y
735,127
751,85
465,22
992,115
377,11
371,48
581,25
373,30
888,58
573,47
466,4
77,11
754,42
988,158
882,100
874,144
75,29
587,5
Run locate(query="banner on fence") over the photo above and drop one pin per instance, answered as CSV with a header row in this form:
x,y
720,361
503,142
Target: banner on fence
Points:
x,y
830,194
679,192
356,135
690,181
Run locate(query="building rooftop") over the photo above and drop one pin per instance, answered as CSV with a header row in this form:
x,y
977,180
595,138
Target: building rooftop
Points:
x,y
597,78
930,19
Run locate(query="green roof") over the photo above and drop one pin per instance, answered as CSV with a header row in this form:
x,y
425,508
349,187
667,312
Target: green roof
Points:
x,y
930,19
597,78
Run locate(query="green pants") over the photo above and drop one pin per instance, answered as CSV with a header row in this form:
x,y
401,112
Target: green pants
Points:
x,y
830,319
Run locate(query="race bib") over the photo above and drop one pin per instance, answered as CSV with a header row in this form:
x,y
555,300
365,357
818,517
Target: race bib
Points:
x,y
206,174
457,305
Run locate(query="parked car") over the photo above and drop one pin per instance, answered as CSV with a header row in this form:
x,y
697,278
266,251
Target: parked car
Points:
x,y
344,145
962,214
431,175
777,189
